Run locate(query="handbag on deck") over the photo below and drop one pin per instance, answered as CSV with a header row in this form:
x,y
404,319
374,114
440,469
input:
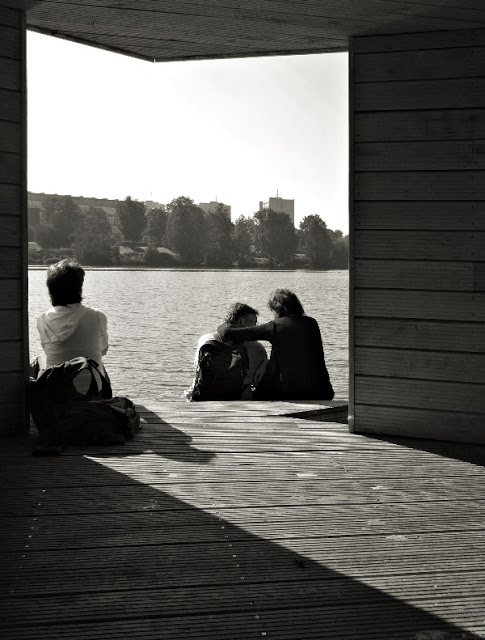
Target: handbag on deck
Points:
x,y
64,414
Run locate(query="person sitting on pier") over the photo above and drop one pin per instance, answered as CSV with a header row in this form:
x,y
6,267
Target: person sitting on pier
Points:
x,y
296,369
70,329
219,368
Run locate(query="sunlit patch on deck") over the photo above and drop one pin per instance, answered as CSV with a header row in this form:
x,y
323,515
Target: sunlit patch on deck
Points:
x,y
236,520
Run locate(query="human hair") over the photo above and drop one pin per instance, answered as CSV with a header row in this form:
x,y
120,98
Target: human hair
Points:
x,y
65,282
237,311
285,303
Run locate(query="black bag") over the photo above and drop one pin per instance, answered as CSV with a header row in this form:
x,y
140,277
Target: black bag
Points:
x,y
101,422
63,415
220,372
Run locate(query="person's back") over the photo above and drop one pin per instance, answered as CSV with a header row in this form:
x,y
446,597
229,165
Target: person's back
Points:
x,y
67,332
70,329
219,366
221,372
296,368
299,360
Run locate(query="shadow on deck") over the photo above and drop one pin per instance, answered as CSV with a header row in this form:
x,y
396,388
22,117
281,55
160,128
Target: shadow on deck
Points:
x,y
241,520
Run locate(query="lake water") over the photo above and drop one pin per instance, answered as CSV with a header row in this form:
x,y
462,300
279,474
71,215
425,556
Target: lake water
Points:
x,y
155,318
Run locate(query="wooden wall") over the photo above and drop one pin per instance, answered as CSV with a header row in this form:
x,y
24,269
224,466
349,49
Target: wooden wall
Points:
x,y
13,231
418,234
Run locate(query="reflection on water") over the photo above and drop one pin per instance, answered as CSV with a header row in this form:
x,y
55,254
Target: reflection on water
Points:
x,y
156,316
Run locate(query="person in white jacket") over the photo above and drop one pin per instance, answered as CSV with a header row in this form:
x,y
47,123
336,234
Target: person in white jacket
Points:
x,y
70,329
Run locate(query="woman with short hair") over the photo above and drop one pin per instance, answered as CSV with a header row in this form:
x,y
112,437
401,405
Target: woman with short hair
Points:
x,y
296,369
70,329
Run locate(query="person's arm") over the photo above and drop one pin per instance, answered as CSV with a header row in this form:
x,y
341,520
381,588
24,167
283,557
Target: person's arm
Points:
x,y
246,334
39,329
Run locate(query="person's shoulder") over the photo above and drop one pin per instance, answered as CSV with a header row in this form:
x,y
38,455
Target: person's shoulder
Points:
x,y
296,321
49,311
94,311
309,321
285,321
45,315
208,337
312,328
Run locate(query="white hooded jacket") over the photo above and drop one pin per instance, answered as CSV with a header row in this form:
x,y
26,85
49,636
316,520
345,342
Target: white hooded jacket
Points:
x,y
71,331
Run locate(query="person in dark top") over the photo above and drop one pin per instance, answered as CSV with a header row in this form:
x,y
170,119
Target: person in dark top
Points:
x,y
296,369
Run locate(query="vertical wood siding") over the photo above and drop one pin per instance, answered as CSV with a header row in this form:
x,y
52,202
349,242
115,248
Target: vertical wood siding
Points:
x,y
418,235
13,232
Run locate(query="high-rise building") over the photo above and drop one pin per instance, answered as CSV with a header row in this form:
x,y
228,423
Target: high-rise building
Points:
x,y
150,204
212,207
281,205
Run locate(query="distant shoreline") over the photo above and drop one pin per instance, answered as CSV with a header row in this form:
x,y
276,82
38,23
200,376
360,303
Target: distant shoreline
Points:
x,y
43,267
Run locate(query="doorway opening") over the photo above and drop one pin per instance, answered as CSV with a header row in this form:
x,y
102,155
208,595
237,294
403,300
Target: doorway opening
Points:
x,y
214,139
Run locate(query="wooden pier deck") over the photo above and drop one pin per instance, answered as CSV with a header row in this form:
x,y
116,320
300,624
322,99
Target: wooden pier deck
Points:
x,y
243,520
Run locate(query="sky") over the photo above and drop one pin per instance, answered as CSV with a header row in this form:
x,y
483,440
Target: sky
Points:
x,y
238,131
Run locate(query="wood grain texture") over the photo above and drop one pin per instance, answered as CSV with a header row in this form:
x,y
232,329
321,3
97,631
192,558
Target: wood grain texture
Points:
x,y
432,155
192,30
420,394
420,185
10,324
422,64
12,419
419,128
13,222
415,274
172,601
343,542
10,43
9,17
10,231
288,523
422,215
420,305
456,93
10,383
352,227
433,245
420,334
10,293
424,423
11,357
407,126
425,365
10,167
10,73
416,42
10,104
10,199
10,136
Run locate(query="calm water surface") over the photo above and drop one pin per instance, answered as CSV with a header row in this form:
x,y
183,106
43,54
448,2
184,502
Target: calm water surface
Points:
x,y
155,318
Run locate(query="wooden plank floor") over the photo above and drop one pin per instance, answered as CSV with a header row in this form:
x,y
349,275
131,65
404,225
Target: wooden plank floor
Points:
x,y
241,520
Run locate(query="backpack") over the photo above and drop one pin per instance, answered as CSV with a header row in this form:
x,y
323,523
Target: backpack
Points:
x,y
101,422
65,415
220,372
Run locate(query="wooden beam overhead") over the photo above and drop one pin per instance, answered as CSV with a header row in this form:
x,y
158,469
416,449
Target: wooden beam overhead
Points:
x,y
158,30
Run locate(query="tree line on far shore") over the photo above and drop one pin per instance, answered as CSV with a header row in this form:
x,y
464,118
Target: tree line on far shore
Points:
x,y
188,235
